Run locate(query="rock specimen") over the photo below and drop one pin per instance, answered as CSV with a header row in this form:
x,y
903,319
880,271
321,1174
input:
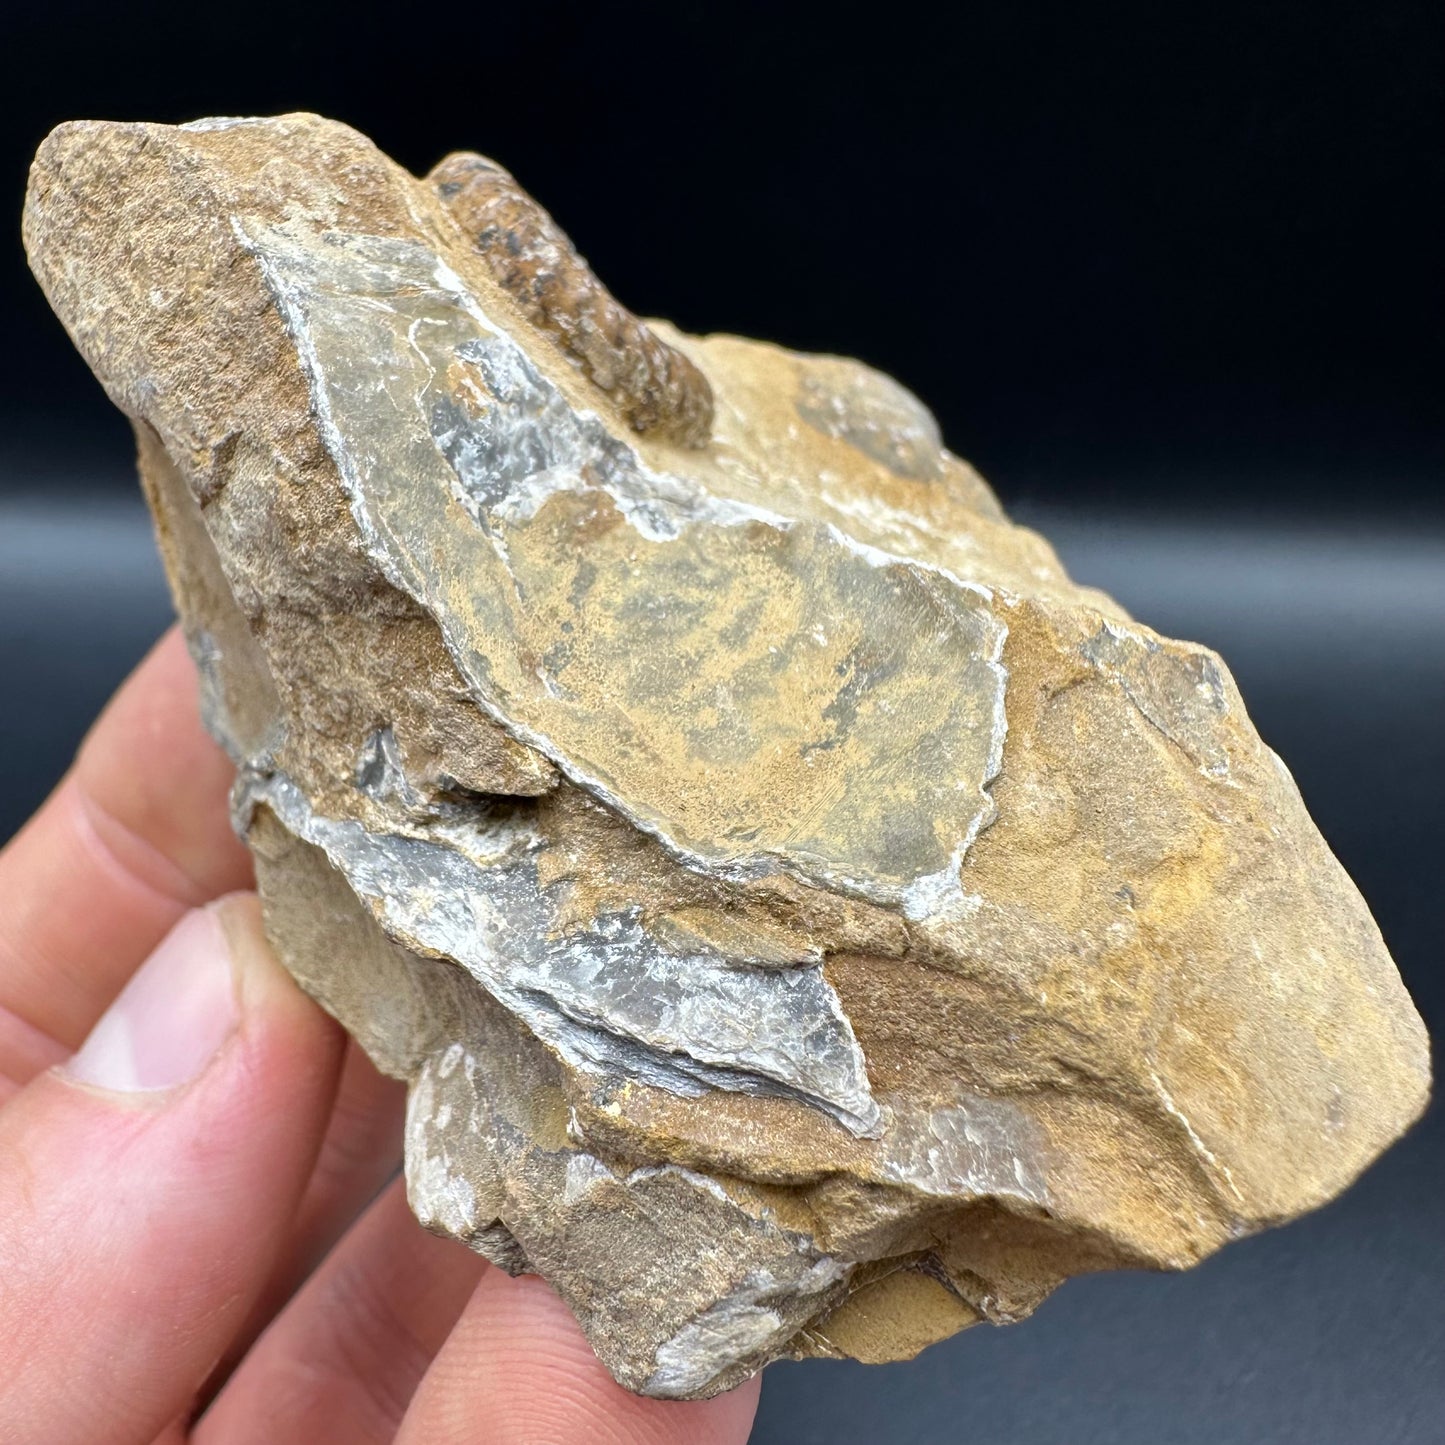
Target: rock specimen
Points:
x,y
809,923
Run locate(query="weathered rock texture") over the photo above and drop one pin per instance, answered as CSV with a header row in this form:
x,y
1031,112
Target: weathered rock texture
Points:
x,y
809,923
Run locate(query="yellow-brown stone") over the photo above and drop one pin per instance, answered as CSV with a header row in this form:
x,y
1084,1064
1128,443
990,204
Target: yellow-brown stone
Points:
x,y
808,921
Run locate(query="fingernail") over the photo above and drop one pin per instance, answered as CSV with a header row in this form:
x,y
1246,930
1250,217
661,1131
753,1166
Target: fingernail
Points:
x,y
170,1019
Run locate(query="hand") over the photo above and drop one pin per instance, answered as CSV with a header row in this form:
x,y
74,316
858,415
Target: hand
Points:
x,y
195,1206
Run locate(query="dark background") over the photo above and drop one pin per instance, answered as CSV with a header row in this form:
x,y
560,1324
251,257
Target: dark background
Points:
x,y
1154,249
1170,275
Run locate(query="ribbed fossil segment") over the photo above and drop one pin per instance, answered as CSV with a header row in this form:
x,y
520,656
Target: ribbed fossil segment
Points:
x,y
808,922
655,386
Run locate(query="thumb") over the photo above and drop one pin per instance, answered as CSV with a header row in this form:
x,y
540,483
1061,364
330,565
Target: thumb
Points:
x,y
147,1184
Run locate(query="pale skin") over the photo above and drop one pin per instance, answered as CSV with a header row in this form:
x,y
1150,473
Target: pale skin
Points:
x,y
202,1233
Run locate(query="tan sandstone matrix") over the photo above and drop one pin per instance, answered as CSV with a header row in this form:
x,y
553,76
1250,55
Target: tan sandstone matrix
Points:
x,y
808,922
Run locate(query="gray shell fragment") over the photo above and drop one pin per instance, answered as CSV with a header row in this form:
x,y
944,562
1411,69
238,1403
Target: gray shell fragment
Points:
x,y
609,998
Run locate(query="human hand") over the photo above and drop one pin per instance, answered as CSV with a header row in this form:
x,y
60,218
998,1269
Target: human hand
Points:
x,y
189,1206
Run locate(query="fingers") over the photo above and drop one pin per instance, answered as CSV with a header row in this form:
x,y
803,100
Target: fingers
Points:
x,y
149,1184
361,1151
517,1369
137,832
148,1190
341,1363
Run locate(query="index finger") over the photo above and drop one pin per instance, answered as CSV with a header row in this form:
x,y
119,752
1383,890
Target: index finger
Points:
x,y
136,833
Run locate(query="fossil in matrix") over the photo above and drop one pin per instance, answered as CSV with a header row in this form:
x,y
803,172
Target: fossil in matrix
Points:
x,y
808,922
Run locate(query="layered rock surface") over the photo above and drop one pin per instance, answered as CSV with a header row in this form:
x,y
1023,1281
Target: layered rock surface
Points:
x,y
809,923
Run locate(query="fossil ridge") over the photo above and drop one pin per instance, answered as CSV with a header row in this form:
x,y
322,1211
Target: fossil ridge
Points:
x,y
808,922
